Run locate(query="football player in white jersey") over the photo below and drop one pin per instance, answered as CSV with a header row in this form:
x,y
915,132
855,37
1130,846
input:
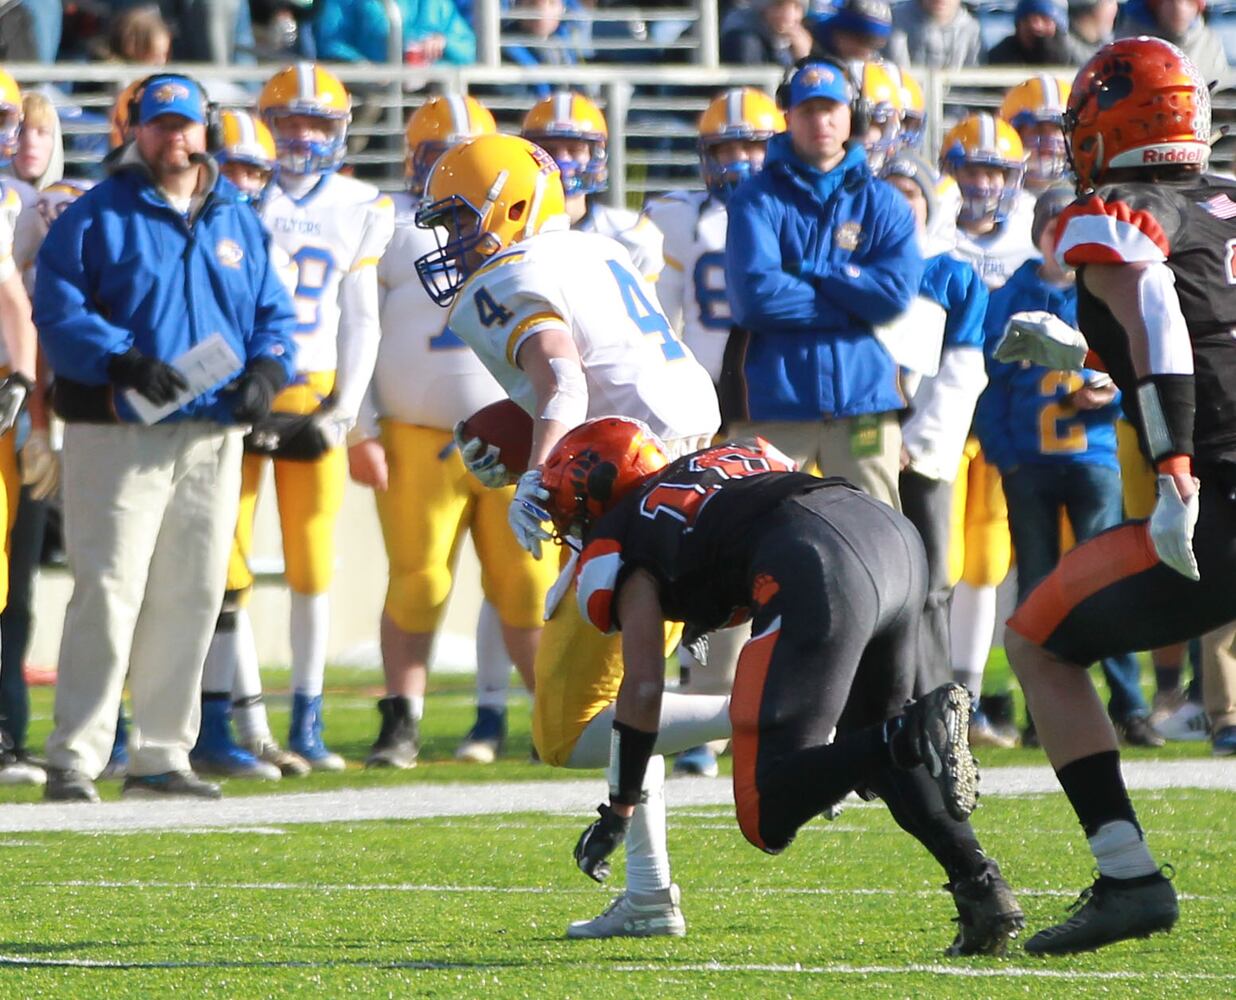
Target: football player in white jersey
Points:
x,y
425,382
573,131
985,156
335,230
734,132
570,329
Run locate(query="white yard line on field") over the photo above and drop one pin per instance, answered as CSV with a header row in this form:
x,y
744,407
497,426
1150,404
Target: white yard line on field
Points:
x,y
424,800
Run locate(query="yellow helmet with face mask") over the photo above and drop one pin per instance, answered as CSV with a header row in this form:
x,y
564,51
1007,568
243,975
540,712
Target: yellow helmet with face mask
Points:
x,y
482,196
437,125
308,89
246,139
984,140
742,114
568,115
1036,102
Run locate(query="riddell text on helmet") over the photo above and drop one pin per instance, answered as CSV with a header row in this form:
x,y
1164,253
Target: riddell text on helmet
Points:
x,y
1190,154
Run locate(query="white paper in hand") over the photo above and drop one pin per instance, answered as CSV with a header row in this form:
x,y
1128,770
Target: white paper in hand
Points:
x,y
204,366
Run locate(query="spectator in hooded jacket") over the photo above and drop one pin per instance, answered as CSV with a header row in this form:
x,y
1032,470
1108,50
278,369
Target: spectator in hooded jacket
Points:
x,y
357,31
1091,25
938,34
768,33
1040,30
857,32
1179,22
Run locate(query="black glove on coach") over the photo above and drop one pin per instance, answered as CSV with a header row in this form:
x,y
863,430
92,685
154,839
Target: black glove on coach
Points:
x,y
150,377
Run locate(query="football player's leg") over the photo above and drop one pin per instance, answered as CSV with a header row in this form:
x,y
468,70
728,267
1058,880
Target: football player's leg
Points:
x,y
1109,596
309,496
423,513
687,720
509,628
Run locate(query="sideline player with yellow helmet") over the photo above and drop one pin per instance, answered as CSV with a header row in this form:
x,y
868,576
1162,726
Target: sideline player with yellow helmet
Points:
x,y
881,104
246,155
335,230
913,108
572,129
1035,107
425,382
571,330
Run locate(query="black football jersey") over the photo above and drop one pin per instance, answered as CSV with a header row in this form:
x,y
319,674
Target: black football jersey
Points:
x,y
692,527
1190,225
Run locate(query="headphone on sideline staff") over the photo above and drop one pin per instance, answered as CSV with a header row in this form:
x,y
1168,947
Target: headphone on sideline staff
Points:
x,y
214,126
860,113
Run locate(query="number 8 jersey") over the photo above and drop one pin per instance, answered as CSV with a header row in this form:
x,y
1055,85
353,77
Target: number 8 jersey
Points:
x,y
634,363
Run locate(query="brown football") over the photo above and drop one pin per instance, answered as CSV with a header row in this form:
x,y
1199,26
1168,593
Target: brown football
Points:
x,y
505,424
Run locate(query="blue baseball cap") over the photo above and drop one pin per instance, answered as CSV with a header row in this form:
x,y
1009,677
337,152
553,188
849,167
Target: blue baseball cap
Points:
x,y
172,95
819,80
1057,11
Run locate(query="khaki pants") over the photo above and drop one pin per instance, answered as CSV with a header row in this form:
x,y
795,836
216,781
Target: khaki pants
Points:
x,y
1219,676
870,458
149,513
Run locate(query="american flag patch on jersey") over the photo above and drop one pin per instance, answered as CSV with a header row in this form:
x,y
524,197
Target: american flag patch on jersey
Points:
x,y
1220,206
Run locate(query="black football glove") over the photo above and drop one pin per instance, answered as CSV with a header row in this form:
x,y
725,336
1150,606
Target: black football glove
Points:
x,y
14,391
599,841
256,389
149,377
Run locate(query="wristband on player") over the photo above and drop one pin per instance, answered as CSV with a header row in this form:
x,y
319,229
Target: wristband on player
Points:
x,y
1167,405
629,752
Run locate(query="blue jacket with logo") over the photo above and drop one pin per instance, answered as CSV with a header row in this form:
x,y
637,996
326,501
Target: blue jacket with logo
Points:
x,y
122,268
814,261
1022,417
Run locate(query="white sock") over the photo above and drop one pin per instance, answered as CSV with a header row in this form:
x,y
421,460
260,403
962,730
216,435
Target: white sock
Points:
x,y
219,671
972,624
1120,851
248,709
493,664
310,624
417,704
648,867
687,720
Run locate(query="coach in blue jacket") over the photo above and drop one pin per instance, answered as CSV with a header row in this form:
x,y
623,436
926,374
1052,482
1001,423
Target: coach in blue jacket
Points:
x,y
157,259
818,254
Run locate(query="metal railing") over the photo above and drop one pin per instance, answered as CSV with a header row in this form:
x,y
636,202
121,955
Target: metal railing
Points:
x,y
652,111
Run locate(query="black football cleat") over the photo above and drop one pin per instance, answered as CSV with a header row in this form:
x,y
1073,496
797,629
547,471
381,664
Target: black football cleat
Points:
x,y
988,916
1112,909
937,728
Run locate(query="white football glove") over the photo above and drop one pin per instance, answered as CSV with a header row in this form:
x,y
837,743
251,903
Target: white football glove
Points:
x,y
1042,339
332,425
482,459
527,512
40,466
14,391
1171,528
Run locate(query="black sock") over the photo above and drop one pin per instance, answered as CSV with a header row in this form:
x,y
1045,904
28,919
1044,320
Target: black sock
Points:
x,y
1167,678
1096,791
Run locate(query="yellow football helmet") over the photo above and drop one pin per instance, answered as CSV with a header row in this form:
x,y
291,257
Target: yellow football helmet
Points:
x,y
246,139
121,107
1035,108
568,115
10,117
744,114
984,140
307,89
436,126
483,195
913,107
880,105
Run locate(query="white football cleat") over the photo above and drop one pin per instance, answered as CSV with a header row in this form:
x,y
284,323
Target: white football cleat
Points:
x,y
655,914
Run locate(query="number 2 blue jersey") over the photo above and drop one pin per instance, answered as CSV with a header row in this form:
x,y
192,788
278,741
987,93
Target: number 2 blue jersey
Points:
x,y
1024,416
585,283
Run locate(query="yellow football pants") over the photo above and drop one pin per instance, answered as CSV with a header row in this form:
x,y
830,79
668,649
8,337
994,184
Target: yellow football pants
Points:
x,y
430,501
980,549
309,496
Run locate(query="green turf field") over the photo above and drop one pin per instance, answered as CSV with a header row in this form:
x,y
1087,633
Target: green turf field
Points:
x,y
475,906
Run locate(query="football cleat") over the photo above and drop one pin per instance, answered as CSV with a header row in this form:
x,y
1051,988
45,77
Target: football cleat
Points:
x,y
68,785
937,727
485,739
117,765
216,752
1186,725
984,734
169,784
655,914
699,761
1112,909
988,916
305,734
1224,742
290,765
398,742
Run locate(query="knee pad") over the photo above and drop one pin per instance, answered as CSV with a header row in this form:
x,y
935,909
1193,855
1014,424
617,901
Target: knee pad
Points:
x,y
415,599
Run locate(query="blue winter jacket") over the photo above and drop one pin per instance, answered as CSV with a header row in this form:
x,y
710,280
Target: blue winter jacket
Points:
x,y
1020,419
121,268
813,261
357,30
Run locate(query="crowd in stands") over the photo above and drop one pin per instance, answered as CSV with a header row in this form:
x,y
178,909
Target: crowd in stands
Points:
x,y
920,33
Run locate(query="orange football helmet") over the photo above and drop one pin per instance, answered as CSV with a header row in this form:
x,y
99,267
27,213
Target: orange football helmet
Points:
x,y
594,466
1138,102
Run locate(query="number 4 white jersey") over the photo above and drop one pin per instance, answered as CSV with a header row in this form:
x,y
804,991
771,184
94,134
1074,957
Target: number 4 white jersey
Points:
x,y
341,225
692,286
634,363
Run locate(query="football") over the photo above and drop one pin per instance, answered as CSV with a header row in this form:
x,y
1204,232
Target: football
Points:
x,y
507,426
